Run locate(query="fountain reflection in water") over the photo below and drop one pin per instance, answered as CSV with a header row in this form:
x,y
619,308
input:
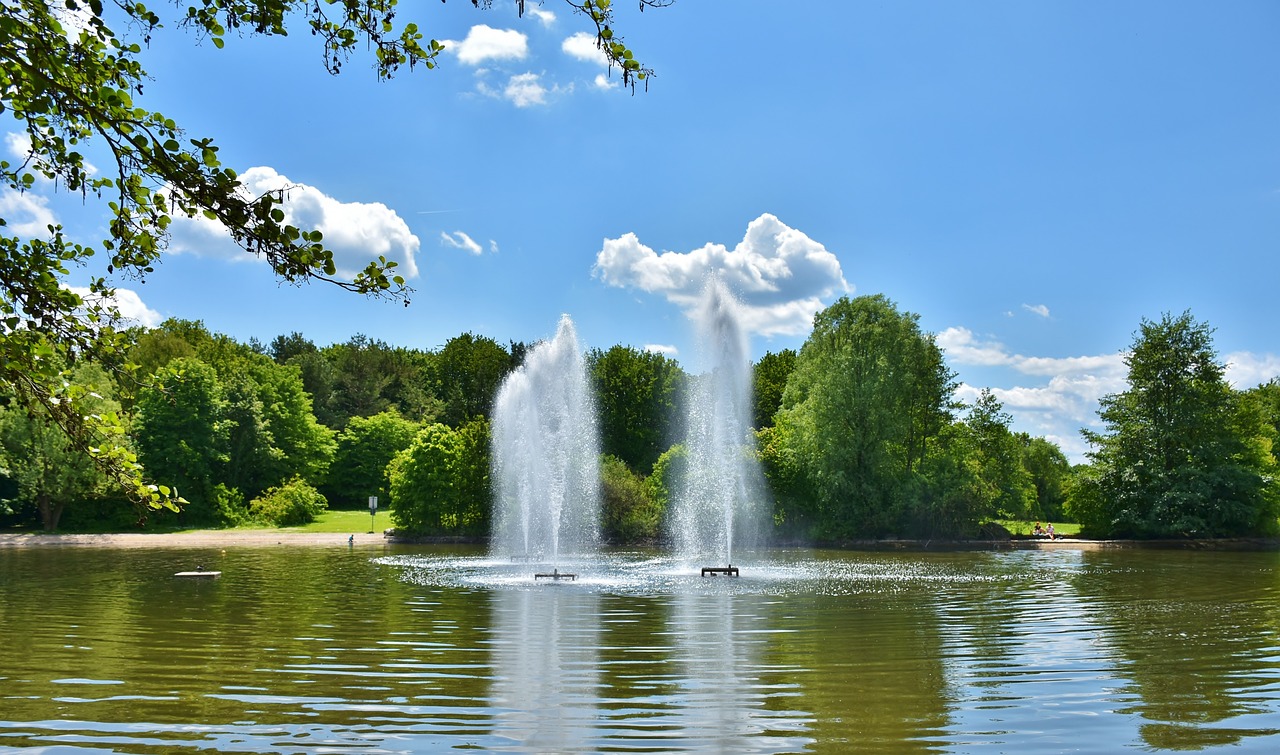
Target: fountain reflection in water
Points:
x,y
546,467
720,505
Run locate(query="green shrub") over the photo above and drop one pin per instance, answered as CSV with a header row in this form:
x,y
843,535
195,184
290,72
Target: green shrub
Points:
x,y
289,505
630,514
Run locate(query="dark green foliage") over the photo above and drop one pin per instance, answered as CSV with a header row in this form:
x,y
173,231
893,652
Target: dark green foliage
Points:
x,y
637,394
181,435
290,505
365,448
769,381
1183,455
998,455
468,371
629,514
1050,473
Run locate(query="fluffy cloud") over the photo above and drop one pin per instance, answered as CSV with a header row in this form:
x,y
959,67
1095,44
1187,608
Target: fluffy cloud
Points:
x,y
460,240
542,14
1037,309
661,348
779,274
582,46
28,215
485,43
525,89
356,232
1055,408
128,304
1246,370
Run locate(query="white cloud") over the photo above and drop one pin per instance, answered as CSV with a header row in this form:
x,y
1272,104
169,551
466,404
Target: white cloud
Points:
x,y
128,304
356,232
1246,370
1037,309
19,144
493,246
486,43
778,274
582,46
543,15
460,240
661,348
1056,408
28,215
604,82
525,89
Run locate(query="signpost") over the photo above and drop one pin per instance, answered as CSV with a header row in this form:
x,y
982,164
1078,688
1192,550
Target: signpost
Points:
x,y
373,512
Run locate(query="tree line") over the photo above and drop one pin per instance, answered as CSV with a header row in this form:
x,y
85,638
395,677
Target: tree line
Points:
x,y
860,435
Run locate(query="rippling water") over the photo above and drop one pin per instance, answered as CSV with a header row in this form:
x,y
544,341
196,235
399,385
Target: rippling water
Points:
x,y
425,650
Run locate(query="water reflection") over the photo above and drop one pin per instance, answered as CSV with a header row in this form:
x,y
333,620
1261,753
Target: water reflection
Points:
x,y
1025,656
319,651
1195,635
546,677
724,695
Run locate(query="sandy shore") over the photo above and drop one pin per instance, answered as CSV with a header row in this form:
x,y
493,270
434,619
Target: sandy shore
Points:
x,y
192,539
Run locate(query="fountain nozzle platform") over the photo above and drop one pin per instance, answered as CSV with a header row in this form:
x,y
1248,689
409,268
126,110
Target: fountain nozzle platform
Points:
x,y
556,575
715,571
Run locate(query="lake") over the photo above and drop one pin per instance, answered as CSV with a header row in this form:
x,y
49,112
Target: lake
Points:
x,y
414,649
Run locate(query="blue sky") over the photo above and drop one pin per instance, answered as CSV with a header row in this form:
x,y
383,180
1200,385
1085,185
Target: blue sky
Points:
x,y
1031,178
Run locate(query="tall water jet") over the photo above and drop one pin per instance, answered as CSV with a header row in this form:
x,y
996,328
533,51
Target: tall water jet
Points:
x,y
546,454
720,504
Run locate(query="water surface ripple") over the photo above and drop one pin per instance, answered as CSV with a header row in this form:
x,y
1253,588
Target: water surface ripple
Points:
x,y
421,650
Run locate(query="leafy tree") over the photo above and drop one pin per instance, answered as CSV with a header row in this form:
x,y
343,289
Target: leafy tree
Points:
x,y
1181,455
272,432
439,484
472,468
75,84
999,458
181,433
365,448
48,469
637,397
284,348
769,381
468,371
1050,473
868,393
423,483
303,447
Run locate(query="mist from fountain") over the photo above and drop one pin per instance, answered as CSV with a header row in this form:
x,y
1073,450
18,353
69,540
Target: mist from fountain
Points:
x,y
546,455
720,504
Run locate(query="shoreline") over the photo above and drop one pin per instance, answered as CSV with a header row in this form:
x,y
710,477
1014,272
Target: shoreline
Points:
x,y
288,538
189,539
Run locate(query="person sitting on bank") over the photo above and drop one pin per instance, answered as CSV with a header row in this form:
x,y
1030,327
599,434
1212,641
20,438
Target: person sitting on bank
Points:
x,y
1049,530
1038,531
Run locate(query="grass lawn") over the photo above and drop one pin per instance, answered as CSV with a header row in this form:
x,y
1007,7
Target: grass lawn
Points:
x,y
347,521
1061,529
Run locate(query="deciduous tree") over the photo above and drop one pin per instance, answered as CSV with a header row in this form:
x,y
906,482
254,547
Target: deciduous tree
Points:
x,y
1180,455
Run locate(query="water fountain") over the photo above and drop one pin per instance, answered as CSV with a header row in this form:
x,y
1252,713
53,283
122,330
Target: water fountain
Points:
x,y
719,505
546,450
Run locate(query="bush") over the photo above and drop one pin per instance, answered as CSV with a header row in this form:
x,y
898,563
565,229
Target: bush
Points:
x,y
630,514
289,505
